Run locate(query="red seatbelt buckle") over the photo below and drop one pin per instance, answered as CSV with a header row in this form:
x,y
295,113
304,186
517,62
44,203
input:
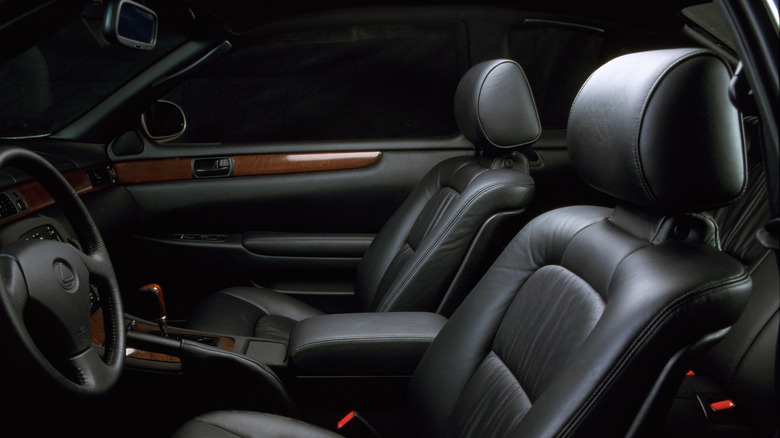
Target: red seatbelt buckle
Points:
x,y
722,405
343,422
720,409
355,426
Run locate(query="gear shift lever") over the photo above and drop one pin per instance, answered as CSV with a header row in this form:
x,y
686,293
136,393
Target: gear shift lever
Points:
x,y
153,295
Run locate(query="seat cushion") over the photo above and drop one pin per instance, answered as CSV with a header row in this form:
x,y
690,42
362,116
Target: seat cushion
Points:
x,y
232,424
251,312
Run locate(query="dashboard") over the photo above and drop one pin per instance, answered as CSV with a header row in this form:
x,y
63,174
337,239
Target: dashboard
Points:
x,y
19,203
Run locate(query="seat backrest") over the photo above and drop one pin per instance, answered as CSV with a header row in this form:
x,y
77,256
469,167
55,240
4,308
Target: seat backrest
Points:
x,y
413,259
571,327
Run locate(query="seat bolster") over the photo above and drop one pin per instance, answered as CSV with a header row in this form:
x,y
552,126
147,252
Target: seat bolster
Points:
x,y
662,298
435,261
247,306
468,336
233,424
441,233
393,236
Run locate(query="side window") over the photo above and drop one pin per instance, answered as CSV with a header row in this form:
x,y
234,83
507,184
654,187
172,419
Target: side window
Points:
x,y
557,58
69,72
344,82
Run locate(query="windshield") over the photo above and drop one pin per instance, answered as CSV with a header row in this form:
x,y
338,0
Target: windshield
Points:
x,y
66,74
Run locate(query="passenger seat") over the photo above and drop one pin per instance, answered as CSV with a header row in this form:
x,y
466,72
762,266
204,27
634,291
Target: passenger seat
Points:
x,y
412,263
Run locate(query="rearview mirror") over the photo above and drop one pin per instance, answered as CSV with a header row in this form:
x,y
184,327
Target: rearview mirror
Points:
x,y
130,24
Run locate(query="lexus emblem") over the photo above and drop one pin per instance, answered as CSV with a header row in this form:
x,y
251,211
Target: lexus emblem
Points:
x,y
64,275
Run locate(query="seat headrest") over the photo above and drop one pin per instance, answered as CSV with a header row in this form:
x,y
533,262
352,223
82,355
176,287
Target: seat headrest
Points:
x,y
494,106
657,129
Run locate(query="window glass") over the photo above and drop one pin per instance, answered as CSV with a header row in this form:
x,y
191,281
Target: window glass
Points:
x,y
342,82
68,73
557,59
709,17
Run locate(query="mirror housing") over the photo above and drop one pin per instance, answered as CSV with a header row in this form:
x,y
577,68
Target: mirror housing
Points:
x,y
163,121
130,24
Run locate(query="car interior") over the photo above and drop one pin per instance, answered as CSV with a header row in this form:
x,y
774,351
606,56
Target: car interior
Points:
x,y
526,219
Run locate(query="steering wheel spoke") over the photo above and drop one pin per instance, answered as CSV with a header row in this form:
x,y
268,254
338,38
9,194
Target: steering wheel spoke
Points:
x,y
13,288
90,371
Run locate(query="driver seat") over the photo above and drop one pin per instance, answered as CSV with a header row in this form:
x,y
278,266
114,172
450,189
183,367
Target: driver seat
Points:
x,y
588,309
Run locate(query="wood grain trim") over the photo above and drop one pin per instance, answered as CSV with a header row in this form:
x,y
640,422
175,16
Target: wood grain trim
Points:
x,y
134,172
98,336
178,169
38,198
154,357
271,164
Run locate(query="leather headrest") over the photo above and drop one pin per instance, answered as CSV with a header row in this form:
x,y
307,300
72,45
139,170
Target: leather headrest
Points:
x,y
494,106
657,129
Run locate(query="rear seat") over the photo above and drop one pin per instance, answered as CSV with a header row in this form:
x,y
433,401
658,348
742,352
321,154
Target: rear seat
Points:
x,y
740,368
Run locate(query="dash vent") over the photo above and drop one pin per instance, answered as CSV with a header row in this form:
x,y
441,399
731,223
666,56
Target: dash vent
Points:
x,y
11,203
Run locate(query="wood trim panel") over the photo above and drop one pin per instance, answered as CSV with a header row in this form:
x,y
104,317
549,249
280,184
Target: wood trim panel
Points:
x,y
271,164
154,357
98,337
38,198
178,169
134,172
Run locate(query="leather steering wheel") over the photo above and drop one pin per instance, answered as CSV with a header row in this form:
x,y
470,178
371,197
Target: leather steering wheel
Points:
x,y
45,294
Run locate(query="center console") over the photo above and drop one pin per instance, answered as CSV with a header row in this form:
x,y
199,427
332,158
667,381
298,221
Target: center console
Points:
x,y
349,344
340,360
362,344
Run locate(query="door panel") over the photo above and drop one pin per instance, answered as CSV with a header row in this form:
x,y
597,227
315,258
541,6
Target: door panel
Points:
x,y
300,224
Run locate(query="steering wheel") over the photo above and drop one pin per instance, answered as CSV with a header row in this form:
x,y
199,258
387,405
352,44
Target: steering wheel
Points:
x,y
45,294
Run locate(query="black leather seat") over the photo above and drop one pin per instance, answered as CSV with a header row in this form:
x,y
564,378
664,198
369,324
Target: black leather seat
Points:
x,y
740,368
412,261
570,329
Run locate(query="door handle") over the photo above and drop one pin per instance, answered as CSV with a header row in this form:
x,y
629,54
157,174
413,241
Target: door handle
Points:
x,y
212,167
